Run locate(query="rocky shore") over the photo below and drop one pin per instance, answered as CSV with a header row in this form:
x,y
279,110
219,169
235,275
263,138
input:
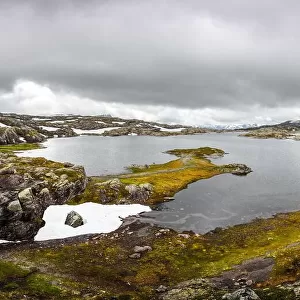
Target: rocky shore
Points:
x,y
286,130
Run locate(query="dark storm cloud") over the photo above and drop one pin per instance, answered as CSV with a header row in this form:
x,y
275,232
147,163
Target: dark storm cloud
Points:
x,y
193,54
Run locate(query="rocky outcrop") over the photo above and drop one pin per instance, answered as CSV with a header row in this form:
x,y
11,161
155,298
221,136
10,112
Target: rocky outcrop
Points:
x,y
192,290
27,187
115,191
30,135
74,219
237,169
244,293
8,136
240,169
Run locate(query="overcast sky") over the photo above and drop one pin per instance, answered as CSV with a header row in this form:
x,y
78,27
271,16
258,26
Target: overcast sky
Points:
x,y
193,61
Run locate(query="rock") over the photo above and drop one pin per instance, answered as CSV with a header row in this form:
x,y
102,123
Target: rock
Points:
x,y
25,194
74,219
8,135
184,235
7,170
139,193
161,289
242,294
141,249
14,206
240,169
135,255
191,290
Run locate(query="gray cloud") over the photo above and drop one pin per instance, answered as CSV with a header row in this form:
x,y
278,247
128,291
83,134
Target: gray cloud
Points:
x,y
193,54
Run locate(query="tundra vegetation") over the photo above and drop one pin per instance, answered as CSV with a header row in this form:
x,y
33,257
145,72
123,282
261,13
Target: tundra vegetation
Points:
x,y
110,266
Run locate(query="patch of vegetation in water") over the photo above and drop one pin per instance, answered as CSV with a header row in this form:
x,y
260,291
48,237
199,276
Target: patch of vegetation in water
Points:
x,y
167,179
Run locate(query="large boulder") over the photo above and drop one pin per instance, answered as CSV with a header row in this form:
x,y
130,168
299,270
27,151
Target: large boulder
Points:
x,y
28,187
8,135
114,191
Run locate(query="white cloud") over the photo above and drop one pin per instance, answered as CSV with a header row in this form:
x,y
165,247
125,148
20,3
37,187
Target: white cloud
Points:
x,y
29,97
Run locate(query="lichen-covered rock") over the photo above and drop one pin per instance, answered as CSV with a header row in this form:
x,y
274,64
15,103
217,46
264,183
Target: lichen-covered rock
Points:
x,y
195,289
74,219
28,190
241,294
139,193
115,191
8,135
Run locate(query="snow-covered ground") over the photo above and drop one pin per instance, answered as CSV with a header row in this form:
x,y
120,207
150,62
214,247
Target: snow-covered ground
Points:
x,y
93,131
40,119
118,122
98,218
57,122
100,122
3,125
169,130
49,128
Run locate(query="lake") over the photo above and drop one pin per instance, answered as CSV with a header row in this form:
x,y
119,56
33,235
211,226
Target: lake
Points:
x,y
272,187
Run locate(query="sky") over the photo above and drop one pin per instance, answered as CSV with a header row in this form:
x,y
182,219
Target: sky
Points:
x,y
192,62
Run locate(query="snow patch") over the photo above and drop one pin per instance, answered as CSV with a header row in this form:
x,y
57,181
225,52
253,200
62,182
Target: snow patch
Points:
x,y
118,122
49,128
168,129
3,125
97,218
57,122
93,131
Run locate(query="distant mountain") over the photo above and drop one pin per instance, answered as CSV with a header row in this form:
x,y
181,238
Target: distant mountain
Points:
x,y
231,126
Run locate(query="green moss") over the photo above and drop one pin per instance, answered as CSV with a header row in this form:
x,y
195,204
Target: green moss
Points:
x,y
10,271
104,262
41,285
19,147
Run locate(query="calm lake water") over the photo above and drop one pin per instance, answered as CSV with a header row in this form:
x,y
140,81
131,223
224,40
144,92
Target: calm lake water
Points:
x,y
273,186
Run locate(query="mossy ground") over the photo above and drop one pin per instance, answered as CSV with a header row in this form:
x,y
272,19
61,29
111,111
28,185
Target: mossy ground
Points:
x,y
100,267
167,179
19,147
101,264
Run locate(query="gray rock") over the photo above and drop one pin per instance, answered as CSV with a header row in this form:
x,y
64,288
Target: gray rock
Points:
x,y
8,135
242,294
141,249
7,170
139,193
26,196
135,255
190,290
14,206
74,219
241,169
161,289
